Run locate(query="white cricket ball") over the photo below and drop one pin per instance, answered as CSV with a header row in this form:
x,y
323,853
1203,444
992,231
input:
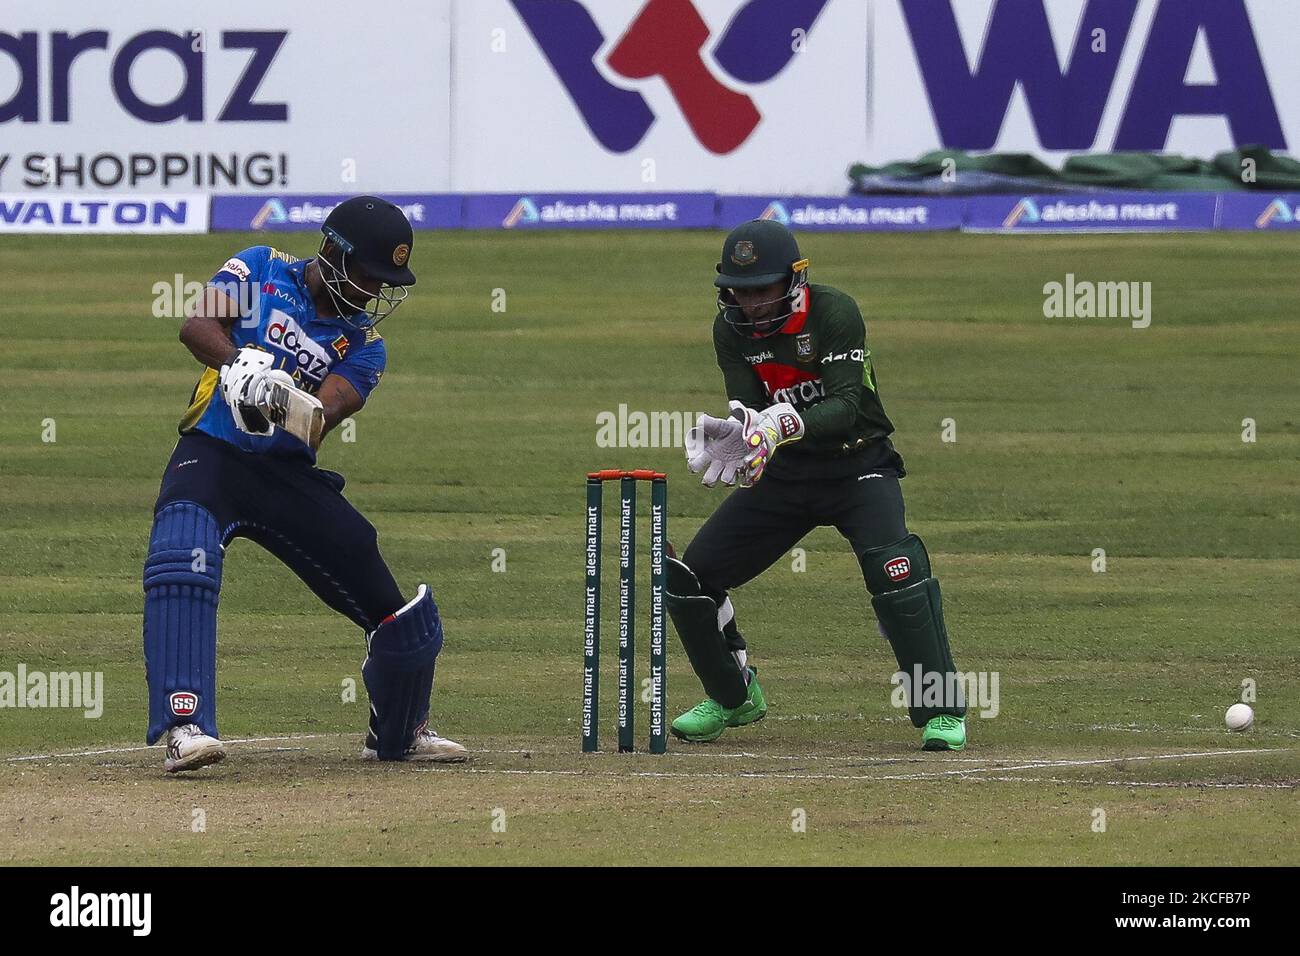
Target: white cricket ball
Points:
x,y
1239,717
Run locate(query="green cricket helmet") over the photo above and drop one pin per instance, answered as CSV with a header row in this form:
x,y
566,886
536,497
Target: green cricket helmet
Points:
x,y
755,254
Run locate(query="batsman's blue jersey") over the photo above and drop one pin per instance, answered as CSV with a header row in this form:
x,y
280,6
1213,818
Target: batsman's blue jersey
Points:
x,y
277,315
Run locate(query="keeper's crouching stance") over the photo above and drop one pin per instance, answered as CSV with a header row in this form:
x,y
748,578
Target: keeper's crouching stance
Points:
x,y
799,377
291,350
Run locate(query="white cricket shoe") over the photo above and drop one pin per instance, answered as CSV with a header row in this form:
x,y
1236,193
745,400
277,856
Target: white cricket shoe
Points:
x,y
189,748
426,746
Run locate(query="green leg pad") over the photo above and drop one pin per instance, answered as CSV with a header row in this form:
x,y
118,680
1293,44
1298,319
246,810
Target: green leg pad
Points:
x,y
695,615
909,606
895,566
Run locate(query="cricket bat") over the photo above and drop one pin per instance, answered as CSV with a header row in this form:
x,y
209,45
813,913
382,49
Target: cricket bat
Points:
x,y
297,412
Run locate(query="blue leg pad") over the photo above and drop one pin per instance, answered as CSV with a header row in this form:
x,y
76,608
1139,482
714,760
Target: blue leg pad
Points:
x,y
398,673
182,581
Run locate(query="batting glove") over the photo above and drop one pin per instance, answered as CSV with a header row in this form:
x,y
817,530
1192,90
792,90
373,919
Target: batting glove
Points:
x,y
246,383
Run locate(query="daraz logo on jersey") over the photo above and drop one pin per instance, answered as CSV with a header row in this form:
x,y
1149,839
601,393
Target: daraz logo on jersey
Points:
x,y
287,335
665,42
785,384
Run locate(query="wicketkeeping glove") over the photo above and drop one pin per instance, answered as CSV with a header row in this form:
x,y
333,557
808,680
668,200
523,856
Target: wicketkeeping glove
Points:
x,y
717,447
764,432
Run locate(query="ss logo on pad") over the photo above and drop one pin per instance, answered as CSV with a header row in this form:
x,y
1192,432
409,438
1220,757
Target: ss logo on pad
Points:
x,y
898,569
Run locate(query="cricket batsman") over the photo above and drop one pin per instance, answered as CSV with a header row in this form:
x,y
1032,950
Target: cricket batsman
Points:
x,y
290,350
807,441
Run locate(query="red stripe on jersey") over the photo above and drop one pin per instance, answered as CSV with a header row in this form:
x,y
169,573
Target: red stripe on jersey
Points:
x,y
776,377
796,322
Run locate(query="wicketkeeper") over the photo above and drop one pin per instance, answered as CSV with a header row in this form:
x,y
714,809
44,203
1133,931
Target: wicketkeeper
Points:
x,y
808,443
291,350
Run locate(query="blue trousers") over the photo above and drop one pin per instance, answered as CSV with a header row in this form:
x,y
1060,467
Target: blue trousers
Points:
x,y
213,492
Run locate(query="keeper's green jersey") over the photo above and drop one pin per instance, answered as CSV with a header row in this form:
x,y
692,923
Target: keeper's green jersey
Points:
x,y
819,362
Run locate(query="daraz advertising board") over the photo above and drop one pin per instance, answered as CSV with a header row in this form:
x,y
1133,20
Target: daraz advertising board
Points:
x,y
568,109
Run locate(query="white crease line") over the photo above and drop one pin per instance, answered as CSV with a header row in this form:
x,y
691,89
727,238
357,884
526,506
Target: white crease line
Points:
x,y
859,758
1121,728
1158,729
919,775
961,774
1188,784
131,750
535,751
671,774
1045,764
859,778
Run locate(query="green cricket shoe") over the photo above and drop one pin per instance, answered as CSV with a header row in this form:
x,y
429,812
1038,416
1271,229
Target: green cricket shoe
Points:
x,y
708,719
944,732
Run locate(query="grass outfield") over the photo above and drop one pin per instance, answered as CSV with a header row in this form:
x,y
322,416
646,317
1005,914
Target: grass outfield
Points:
x,y
1072,435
